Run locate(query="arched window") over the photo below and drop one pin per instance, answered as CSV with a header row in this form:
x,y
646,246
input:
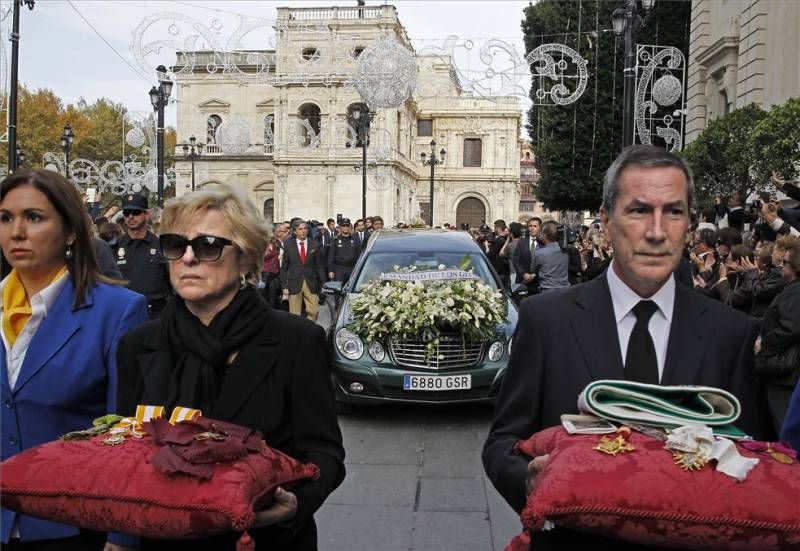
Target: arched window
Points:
x,y
354,134
310,117
212,123
269,211
310,54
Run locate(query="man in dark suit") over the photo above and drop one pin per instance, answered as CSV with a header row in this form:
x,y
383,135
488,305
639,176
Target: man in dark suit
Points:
x,y
633,322
523,259
302,272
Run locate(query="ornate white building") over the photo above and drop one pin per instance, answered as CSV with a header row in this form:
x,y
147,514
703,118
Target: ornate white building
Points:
x,y
289,140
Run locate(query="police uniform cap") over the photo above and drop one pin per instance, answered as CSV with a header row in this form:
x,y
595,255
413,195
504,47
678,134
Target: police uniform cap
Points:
x,y
134,201
344,222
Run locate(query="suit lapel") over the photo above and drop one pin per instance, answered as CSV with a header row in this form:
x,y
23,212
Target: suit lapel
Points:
x,y
56,329
595,331
254,362
688,339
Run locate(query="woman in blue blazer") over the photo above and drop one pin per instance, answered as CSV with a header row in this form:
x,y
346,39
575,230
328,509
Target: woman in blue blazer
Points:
x,y
61,322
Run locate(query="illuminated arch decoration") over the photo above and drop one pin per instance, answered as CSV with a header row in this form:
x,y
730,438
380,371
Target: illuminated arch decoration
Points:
x,y
659,108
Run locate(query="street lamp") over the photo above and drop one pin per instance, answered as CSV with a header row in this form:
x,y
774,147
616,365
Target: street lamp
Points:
x,y
192,150
12,103
66,143
626,20
159,98
432,162
362,117
20,154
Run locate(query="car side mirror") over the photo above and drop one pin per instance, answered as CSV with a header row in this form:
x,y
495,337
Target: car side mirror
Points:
x,y
332,288
518,290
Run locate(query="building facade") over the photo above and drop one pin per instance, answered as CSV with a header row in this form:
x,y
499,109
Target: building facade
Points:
x,y
291,140
741,52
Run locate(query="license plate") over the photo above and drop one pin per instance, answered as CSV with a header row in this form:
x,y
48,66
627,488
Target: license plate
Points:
x,y
437,382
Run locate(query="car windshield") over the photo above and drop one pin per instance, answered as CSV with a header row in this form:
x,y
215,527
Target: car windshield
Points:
x,y
379,262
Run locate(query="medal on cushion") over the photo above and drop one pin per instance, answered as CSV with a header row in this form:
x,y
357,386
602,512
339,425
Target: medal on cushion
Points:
x,y
617,445
209,435
779,451
689,461
113,440
780,457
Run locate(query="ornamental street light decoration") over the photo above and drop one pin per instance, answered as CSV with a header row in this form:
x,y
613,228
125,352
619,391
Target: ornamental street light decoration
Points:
x,y
626,20
67,138
362,117
432,162
12,103
192,150
159,98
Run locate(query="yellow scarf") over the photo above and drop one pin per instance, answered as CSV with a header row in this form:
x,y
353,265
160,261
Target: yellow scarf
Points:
x,y
16,305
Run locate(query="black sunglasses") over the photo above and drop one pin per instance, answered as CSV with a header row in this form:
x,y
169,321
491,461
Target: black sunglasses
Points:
x,y
131,212
206,248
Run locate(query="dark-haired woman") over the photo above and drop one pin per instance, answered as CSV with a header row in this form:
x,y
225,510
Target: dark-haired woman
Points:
x,y
61,322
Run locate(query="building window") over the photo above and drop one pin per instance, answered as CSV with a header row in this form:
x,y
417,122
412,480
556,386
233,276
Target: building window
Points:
x,y
212,124
527,206
425,127
310,54
310,117
472,152
357,51
353,137
269,133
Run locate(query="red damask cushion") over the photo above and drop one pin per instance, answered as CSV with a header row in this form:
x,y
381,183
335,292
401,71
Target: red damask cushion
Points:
x,y
644,498
120,489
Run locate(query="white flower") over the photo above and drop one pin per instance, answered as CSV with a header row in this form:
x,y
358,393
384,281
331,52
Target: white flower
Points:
x,y
442,267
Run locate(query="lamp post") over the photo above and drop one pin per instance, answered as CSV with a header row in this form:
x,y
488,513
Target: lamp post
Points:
x,y
432,162
159,98
67,138
12,103
362,117
20,154
192,150
626,20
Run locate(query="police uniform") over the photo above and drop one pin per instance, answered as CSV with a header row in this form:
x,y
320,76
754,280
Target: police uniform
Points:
x,y
141,263
342,255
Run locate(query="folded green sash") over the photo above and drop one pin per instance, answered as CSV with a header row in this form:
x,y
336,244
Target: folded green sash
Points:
x,y
662,406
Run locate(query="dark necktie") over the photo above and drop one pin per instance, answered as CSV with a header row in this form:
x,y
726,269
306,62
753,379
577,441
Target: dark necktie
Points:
x,y
641,364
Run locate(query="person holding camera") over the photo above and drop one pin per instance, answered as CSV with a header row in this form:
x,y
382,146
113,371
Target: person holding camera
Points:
x,y
769,212
498,241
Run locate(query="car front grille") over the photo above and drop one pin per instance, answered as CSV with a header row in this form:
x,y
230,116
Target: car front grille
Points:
x,y
451,353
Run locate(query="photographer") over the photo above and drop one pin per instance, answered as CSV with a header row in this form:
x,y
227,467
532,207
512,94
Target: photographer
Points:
x,y
551,262
595,255
769,213
734,274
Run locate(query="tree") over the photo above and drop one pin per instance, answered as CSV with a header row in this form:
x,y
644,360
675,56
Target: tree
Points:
x,y
776,141
722,156
576,143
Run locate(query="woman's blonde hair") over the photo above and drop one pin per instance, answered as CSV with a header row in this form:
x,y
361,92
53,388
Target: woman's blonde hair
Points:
x,y
248,230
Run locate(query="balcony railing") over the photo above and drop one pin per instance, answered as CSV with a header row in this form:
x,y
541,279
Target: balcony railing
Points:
x,y
324,14
266,149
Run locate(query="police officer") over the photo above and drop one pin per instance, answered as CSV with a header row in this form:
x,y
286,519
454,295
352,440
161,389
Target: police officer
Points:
x,y
343,253
139,256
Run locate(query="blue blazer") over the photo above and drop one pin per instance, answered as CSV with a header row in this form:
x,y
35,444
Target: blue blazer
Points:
x,y
68,378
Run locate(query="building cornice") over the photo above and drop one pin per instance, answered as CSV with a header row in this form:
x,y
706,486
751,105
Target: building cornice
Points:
x,y
718,51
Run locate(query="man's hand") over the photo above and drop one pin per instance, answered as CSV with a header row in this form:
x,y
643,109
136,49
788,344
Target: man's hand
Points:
x,y
723,271
768,213
747,265
527,278
777,180
283,508
115,547
534,467
286,294
708,263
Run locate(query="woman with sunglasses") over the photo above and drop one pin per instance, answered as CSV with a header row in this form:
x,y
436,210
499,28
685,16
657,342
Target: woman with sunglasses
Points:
x,y
220,348
61,322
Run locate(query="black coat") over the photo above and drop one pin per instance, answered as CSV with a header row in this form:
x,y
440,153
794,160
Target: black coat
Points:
x,y
567,339
781,326
278,384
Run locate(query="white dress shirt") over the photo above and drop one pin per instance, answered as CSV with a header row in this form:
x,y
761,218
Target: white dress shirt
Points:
x,y
624,299
305,245
41,302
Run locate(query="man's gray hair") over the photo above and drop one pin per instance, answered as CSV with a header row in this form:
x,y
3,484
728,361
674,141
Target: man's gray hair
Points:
x,y
647,156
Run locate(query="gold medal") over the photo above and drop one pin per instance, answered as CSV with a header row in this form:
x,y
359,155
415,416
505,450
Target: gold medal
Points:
x,y
114,440
780,457
689,461
617,445
211,436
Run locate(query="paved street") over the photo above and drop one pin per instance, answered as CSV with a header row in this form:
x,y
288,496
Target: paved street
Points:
x,y
415,482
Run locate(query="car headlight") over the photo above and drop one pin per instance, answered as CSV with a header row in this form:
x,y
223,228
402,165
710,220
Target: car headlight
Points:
x,y
376,351
349,344
495,351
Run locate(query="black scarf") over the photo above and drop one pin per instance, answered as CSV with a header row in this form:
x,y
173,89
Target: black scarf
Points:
x,y
200,353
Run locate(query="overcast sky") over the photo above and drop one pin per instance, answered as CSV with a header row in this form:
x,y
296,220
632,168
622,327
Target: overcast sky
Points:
x,y
60,51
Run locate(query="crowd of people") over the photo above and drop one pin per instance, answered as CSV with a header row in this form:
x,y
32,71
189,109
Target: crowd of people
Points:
x,y
183,311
